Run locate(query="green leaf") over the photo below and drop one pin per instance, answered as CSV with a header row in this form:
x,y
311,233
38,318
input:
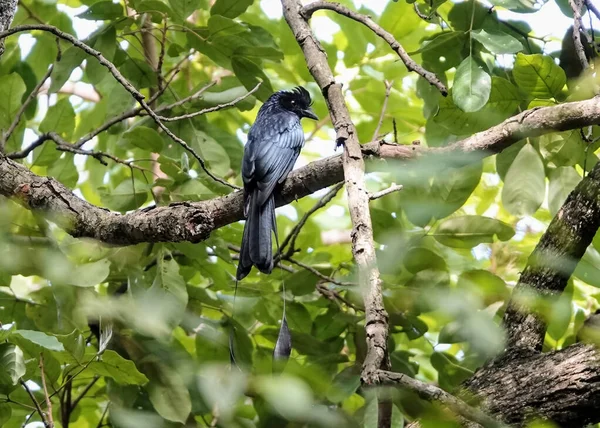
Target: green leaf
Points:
x,y
250,74
222,26
12,364
184,8
450,191
503,102
118,368
126,196
60,118
344,384
289,396
71,58
90,274
484,283
418,259
520,6
171,287
139,73
103,10
41,339
563,148
497,42
106,43
539,76
168,392
450,373
12,89
230,8
64,170
46,154
154,5
472,86
5,413
211,344
562,181
330,324
560,316
215,156
222,388
144,138
524,185
444,50
471,230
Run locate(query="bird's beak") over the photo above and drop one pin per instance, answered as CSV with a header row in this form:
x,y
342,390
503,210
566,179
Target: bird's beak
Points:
x,y
310,114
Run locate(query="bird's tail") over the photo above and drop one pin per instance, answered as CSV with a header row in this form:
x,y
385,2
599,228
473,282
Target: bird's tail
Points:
x,y
256,249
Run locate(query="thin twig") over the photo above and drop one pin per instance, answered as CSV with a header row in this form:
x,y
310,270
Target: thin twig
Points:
x,y
24,106
334,295
592,8
577,5
38,409
103,416
189,98
388,90
291,237
319,274
432,393
138,96
185,145
211,109
44,386
85,391
393,188
411,65
161,56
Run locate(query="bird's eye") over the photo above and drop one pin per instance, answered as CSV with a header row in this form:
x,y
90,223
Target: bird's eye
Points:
x,y
293,102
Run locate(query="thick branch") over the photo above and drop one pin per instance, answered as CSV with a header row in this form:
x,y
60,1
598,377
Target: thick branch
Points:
x,y
411,65
577,5
430,392
560,386
194,222
553,261
8,8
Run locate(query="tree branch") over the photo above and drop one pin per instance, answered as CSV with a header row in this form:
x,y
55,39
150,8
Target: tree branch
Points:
x,y
124,82
6,135
35,403
363,247
211,109
593,9
430,392
411,65
8,8
388,90
577,6
553,261
560,386
194,221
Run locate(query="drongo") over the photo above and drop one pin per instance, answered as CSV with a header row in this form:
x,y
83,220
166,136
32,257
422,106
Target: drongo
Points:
x,y
274,143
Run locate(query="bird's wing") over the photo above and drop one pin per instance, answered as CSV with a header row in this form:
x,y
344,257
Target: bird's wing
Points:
x,y
275,157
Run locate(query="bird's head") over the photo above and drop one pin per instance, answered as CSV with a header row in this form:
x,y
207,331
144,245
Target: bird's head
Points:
x,y
297,101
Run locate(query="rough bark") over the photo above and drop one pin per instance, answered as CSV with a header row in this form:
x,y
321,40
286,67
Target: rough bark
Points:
x,y
553,261
8,8
363,246
178,222
193,222
561,386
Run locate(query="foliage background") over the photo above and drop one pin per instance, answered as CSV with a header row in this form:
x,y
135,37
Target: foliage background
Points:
x,y
450,244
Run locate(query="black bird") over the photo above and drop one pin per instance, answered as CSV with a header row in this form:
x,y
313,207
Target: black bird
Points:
x,y
274,143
